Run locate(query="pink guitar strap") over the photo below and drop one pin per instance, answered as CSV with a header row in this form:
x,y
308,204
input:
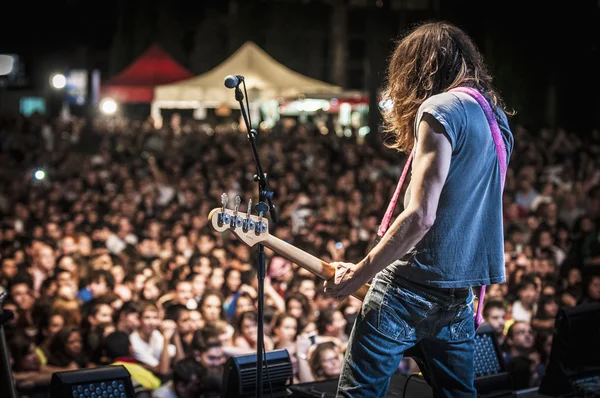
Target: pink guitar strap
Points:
x,y
501,152
387,218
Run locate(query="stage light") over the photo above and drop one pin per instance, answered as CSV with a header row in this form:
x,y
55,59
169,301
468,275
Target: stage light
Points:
x,y
7,64
108,106
39,174
59,81
106,381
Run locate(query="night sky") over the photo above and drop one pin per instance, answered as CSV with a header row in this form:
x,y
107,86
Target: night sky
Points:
x,y
527,48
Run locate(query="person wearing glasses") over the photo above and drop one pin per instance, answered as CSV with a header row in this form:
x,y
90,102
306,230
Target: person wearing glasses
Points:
x,y
519,341
326,361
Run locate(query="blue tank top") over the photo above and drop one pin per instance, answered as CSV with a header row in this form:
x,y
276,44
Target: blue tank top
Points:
x,y
465,245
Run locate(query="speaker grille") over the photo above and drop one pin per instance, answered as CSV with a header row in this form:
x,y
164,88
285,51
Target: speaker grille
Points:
x,y
114,389
487,362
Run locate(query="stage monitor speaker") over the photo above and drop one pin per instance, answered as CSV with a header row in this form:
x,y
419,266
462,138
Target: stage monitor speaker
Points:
x,y
491,377
489,360
105,382
574,366
239,377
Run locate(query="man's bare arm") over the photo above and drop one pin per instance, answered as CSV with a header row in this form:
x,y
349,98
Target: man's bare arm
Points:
x,y
430,169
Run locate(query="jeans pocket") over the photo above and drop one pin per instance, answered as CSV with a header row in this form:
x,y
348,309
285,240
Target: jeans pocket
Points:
x,y
463,325
391,325
378,309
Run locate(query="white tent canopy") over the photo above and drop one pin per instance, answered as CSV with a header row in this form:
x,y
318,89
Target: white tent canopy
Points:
x,y
266,79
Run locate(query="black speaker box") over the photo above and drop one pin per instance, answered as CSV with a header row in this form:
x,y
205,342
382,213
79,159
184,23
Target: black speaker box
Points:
x,y
106,382
574,366
239,378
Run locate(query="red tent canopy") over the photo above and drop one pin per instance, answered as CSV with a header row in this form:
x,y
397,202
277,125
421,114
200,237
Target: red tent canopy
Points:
x,y
136,83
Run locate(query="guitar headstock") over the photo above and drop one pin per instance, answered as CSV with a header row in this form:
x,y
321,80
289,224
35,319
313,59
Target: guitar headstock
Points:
x,y
250,229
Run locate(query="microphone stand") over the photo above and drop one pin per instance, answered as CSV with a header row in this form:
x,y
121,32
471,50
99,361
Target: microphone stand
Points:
x,y
264,203
7,383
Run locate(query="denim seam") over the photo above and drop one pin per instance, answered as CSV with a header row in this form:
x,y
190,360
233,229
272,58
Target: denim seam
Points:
x,y
457,327
384,303
424,318
402,332
420,292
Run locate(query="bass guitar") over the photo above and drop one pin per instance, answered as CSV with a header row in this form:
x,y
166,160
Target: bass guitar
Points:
x,y
252,229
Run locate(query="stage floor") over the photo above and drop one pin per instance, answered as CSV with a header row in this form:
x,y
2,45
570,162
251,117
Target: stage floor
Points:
x,y
417,388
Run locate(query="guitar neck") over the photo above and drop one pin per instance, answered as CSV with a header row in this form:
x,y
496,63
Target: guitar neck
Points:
x,y
307,261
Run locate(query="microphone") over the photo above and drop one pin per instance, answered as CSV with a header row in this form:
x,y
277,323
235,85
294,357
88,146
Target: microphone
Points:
x,y
232,81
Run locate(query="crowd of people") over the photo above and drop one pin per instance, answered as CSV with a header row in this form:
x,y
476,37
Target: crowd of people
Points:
x,y
108,256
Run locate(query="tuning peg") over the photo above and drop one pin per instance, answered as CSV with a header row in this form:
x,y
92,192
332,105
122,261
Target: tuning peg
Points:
x,y
238,200
236,221
223,217
248,224
262,208
224,200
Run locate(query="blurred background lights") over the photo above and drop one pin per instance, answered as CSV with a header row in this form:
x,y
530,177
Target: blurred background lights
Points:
x,y
363,131
39,174
386,104
108,106
59,81
7,63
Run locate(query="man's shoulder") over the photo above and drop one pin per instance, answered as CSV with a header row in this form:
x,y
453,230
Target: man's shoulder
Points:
x,y
447,107
447,99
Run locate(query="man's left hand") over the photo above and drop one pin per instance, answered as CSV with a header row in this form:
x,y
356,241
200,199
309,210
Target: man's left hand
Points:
x,y
346,280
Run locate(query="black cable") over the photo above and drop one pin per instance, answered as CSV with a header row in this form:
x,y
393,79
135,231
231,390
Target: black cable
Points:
x,y
267,368
406,384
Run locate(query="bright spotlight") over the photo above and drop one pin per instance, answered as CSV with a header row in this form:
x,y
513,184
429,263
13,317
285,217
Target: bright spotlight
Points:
x,y
7,64
108,106
59,81
39,174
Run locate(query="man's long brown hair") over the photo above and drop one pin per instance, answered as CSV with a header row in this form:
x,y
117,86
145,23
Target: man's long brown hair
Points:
x,y
433,58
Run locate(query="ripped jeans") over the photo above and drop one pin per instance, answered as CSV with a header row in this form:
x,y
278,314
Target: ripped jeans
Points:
x,y
398,315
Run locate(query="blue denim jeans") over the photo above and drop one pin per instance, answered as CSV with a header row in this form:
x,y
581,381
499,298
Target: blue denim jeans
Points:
x,y
398,315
